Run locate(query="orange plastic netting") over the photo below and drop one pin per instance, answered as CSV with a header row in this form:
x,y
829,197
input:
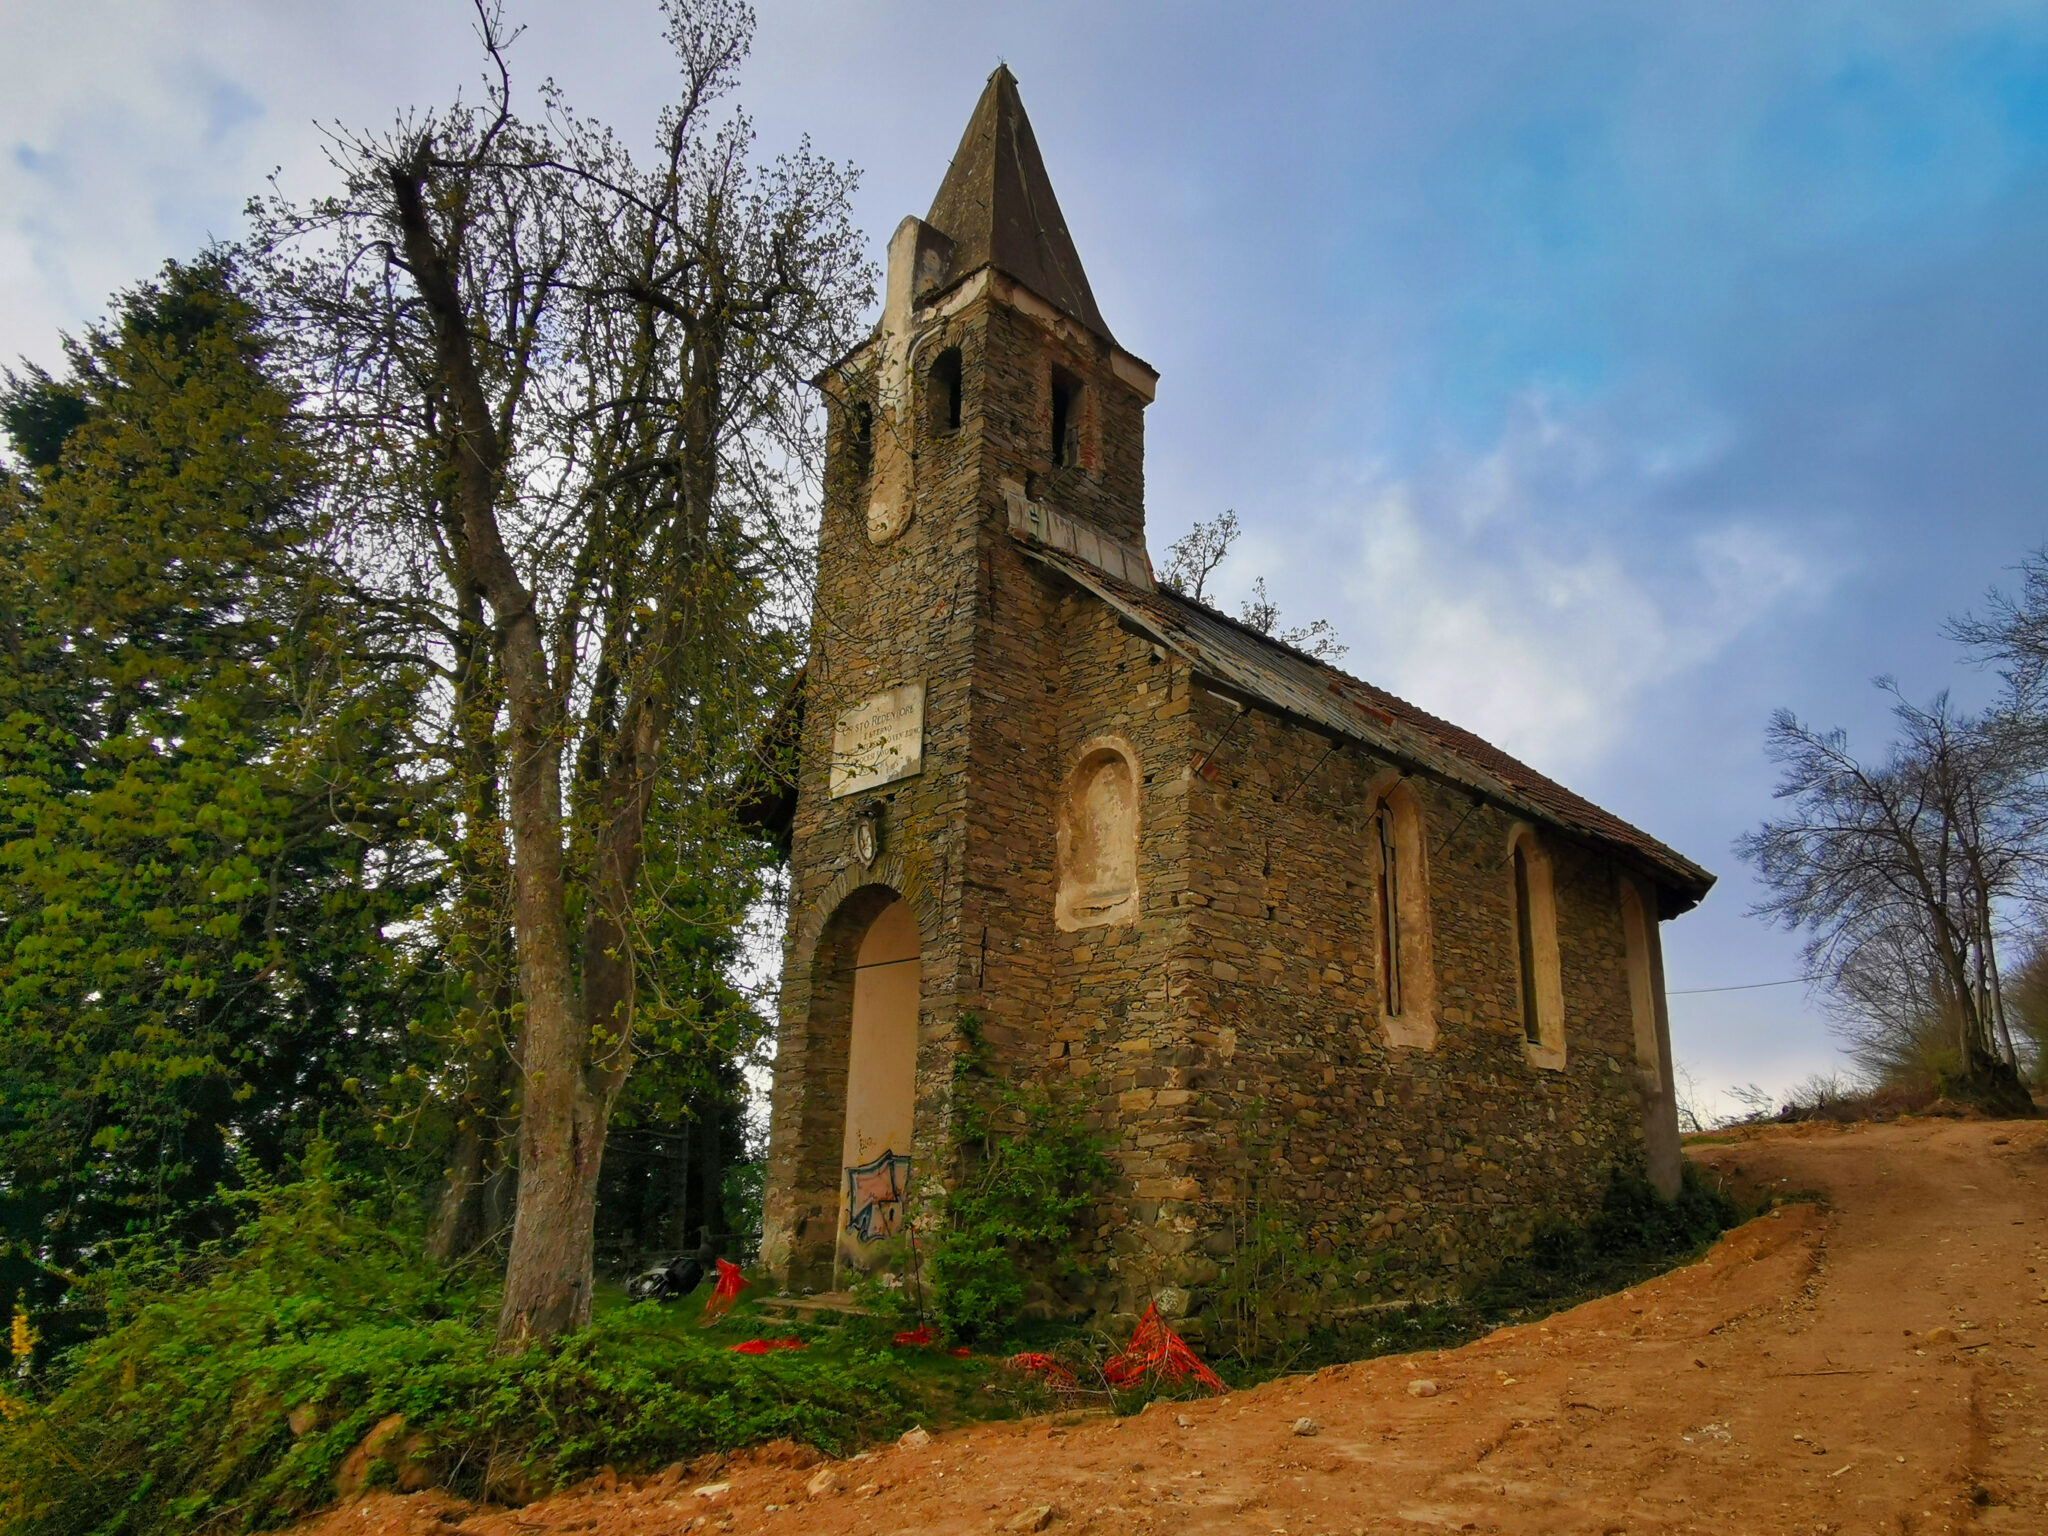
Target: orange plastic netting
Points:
x,y
921,1337
725,1292
1157,1351
1055,1371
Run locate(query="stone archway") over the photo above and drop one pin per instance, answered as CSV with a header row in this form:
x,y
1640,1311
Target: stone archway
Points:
x,y
846,1107
881,1090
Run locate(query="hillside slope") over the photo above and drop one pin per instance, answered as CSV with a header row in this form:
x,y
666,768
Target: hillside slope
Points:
x,y
1875,1364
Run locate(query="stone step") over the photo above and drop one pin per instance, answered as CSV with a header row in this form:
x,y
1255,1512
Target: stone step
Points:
x,y
825,1301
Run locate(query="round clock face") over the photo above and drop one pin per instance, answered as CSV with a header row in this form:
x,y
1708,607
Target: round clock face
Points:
x,y
888,515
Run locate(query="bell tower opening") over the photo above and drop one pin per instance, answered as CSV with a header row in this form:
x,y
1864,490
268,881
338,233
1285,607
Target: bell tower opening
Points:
x,y
942,385
1067,392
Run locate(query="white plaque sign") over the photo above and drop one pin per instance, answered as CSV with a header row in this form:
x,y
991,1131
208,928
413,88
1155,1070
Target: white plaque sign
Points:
x,y
879,740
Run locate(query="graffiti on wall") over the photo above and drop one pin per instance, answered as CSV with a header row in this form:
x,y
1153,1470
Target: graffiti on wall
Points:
x,y
875,1195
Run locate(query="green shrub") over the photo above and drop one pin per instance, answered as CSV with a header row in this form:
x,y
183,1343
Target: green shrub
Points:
x,y
1271,1267
180,1418
1027,1171
1636,1233
1262,1317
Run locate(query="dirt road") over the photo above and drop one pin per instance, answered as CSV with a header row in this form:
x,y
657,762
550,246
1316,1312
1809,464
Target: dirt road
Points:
x,y
1873,1365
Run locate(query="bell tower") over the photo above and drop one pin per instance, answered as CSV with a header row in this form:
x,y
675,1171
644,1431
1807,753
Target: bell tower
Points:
x,y
1052,405
990,409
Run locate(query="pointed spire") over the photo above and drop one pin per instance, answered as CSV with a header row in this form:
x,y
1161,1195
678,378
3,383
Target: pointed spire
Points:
x,y
997,206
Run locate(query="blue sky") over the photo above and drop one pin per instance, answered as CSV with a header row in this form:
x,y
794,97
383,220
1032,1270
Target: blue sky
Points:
x,y
1610,374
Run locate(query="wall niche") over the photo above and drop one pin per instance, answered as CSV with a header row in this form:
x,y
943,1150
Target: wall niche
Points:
x,y
1097,839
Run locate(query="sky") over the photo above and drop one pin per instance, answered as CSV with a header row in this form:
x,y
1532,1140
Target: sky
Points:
x,y
1609,374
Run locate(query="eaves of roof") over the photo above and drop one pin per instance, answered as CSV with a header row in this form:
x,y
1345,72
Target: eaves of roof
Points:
x,y
1258,670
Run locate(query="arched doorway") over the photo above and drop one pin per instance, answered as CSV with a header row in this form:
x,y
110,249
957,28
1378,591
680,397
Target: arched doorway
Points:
x,y
881,1090
846,1089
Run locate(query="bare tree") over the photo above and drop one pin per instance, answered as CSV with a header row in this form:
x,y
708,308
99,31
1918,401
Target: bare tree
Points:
x,y
570,386
1318,637
1901,869
1693,1116
1892,1008
2026,999
1193,558
2012,635
2013,632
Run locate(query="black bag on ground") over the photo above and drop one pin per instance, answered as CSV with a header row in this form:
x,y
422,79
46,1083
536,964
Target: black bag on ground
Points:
x,y
678,1276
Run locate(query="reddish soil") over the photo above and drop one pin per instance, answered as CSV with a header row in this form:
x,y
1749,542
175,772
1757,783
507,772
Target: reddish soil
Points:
x,y
1873,1364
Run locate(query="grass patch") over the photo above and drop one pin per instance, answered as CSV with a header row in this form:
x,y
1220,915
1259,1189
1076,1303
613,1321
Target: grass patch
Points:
x,y
237,1381
1634,1236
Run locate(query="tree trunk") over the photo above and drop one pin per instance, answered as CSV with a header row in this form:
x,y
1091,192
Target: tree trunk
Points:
x,y
577,989
458,1223
1997,988
462,1219
679,1229
548,1274
711,1167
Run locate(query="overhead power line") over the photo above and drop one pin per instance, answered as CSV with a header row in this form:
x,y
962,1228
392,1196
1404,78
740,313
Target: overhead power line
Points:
x,y
1748,986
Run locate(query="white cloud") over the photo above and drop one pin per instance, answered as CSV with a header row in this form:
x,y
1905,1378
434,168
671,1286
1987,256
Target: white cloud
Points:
x,y
1527,595
133,133
107,152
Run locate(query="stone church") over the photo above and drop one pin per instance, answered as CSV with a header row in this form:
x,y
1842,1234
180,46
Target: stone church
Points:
x,y
1296,943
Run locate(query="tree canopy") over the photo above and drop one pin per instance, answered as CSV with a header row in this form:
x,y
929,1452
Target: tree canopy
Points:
x,y
199,877
563,387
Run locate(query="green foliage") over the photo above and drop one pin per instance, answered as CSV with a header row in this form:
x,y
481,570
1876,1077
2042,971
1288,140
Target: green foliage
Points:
x,y
746,1185
181,1417
202,836
1279,1308
1027,1172
1636,1233
1270,1268
704,882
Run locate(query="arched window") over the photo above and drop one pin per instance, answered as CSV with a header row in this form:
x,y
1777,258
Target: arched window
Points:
x,y
1637,936
942,391
1390,913
1096,840
860,438
1067,403
1538,980
1407,972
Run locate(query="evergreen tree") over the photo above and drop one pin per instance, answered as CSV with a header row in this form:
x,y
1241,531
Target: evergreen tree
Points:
x,y
204,845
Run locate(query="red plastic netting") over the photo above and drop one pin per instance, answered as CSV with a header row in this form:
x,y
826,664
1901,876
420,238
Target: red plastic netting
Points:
x,y
763,1346
725,1292
1157,1351
1055,1372
921,1337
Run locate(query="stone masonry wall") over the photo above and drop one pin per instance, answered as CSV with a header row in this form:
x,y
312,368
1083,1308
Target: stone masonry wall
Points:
x,y
954,603
1117,1028
1406,1165
1053,674
900,613
1227,1042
